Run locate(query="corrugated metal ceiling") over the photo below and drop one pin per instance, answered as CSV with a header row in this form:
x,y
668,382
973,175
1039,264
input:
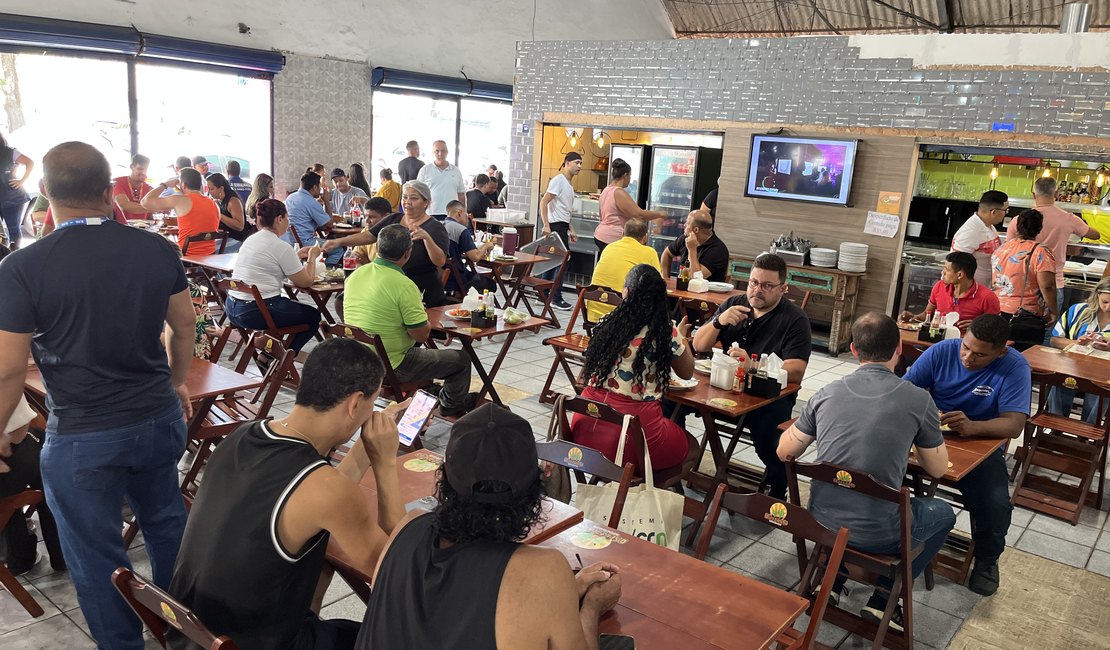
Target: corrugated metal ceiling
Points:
x,y
716,18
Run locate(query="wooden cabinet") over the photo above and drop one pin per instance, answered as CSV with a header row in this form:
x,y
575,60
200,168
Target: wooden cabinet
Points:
x,y
828,297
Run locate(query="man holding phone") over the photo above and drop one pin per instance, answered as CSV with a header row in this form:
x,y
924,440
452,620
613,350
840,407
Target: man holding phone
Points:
x,y
254,546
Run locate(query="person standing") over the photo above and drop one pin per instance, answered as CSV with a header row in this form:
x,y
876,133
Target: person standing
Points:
x,y
978,235
617,207
111,385
200,163
409,167
241,187
444,179
1025,282
390,189
555,209
195,212
1058,225
477,199
13,198
128,191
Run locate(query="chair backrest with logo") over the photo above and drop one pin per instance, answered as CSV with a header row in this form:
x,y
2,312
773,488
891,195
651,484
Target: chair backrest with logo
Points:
x,y
160,611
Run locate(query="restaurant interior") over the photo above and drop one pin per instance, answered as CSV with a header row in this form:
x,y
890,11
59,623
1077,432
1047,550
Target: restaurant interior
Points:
x,y
855,141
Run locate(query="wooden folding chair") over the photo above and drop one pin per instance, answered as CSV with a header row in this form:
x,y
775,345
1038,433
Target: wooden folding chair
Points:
x,y
1070,446
569,347
392,387
535,287
581,460
818,572
217,236
865,566
159,611
12,506
284,334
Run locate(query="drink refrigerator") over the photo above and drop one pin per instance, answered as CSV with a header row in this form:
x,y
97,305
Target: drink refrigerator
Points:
x,y
680,179
638,156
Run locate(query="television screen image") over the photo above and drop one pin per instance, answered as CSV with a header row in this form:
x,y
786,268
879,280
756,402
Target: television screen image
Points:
x,y
801,169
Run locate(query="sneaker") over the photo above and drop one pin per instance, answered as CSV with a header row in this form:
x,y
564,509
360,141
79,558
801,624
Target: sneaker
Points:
x,y
20,570
873,612
561,305
984,578
453,412
837,594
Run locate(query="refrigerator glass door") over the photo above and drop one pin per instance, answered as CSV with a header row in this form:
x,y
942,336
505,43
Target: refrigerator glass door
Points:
x,y
634,156
671,190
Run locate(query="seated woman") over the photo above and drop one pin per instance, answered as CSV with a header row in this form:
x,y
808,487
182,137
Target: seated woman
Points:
x,y
233,218
628,365
1086,323
265,260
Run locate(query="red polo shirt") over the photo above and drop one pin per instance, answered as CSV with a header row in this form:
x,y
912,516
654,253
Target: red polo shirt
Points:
x,y
978,301
122,185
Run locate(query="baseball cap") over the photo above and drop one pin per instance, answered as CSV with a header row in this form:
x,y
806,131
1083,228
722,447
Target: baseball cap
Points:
x,y
572,156
491,443
337,172
199,159
182,162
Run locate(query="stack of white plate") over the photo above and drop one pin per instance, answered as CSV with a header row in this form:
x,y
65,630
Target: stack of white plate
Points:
x,y
823,257
853,257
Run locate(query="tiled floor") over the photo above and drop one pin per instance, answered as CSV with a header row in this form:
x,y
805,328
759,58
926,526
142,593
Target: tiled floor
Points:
x,y
738,545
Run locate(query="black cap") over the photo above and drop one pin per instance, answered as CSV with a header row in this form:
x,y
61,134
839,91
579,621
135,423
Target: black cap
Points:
x,y
572,156
491,444
199,159
337,172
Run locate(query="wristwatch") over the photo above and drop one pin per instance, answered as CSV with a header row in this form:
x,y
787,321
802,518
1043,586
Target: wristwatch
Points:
x,y
717,324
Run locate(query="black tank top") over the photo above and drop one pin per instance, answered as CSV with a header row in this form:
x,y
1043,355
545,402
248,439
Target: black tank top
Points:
x,y
430,597
237,235
232,571
9,194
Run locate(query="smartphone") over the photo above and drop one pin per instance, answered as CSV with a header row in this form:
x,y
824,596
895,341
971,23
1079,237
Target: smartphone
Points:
x,y
416,417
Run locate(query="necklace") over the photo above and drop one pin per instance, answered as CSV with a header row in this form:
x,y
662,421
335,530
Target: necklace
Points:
x,y
285,423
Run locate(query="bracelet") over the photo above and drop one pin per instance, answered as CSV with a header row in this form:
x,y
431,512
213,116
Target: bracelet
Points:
x,y
717,324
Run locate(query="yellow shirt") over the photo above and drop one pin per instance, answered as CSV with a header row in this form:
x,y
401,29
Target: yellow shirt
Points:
x,y
391,191
616,261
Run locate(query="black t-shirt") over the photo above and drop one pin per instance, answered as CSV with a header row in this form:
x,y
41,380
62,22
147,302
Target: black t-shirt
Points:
x,y
95,297
408,168
710,201
784,331
713,255
477,203
420,268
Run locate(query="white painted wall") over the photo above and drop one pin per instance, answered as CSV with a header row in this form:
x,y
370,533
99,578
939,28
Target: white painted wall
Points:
x,y
434,36
1091,49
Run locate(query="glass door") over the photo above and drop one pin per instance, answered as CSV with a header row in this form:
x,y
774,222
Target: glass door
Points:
x,y
671,189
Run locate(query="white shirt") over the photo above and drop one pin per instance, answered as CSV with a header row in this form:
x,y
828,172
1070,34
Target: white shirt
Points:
x,y
980,240
22,416
264,261
558,211
446,185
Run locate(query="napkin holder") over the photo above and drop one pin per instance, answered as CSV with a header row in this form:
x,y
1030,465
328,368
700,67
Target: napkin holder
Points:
x,y
764,387
478,319
698,285
924,334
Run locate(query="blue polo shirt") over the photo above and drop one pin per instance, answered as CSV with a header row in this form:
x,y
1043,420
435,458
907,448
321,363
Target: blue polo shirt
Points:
x,y
1004,386
306,215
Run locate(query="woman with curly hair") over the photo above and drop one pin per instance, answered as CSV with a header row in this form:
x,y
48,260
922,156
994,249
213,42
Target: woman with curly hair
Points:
x,y
628,365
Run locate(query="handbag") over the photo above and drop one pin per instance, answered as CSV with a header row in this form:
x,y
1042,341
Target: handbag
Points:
x,y
1026,328
649,513
556,478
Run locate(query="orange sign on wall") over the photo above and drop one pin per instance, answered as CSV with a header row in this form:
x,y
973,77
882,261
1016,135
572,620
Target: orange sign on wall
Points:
x,y
889,203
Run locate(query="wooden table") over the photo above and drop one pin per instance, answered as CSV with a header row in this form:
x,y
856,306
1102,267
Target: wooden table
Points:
x,y
706,303
519,269
205,382
670,600
699,399
223,262
320,291
461,329
416,478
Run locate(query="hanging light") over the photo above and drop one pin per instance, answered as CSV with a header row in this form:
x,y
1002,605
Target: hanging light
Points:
x,y
1102,176
994,172
572,139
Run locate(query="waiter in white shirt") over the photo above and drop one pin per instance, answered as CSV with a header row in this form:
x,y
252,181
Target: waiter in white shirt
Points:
x,y
978,235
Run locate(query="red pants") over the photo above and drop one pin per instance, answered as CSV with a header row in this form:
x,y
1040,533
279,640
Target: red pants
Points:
x,y
665,439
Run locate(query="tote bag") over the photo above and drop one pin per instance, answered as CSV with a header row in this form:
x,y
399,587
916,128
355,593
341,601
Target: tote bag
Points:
x,y
649,513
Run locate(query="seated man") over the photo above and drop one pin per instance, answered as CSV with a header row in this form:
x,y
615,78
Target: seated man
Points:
x,y
617,260
344,195
983,388
868,421
258,531
462,244
375,210
196,213
459,578
958,291
763,322
699,248
380,298
307,215
477,199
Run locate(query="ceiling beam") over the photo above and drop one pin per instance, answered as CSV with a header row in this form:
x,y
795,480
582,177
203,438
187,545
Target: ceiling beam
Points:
x,y
944,16
912,16
823,17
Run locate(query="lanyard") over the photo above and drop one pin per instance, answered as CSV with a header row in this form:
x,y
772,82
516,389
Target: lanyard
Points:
x,y
90,221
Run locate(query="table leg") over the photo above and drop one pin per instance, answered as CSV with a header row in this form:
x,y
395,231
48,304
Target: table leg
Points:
x,y
322,302
515,295
487,383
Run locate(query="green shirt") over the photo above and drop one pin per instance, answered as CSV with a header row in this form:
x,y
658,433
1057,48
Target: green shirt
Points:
x,y
380,299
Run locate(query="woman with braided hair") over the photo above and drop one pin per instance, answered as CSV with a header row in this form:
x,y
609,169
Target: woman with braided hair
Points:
x,y
628,364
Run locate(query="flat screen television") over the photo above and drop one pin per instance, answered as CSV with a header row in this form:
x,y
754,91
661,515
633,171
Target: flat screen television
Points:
x,y
817,170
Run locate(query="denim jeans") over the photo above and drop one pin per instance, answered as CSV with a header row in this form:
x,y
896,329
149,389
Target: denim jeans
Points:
x,y
12,215
452,366
987,498
563,230
285,312
931,521
1060,400
87,476
763,423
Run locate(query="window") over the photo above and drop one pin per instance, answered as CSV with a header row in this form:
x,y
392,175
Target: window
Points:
x,y
399,118
484,134
50,99
187,112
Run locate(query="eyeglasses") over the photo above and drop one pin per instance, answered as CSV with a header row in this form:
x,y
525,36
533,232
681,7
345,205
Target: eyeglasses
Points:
x,y
765,286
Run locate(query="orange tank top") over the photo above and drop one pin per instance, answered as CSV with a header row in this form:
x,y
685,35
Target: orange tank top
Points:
x,y
203,217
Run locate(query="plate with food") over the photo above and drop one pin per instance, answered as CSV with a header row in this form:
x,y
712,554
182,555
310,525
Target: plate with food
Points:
x,y
909,327
704,366
678,383
459,313
722,402
504,258
720,287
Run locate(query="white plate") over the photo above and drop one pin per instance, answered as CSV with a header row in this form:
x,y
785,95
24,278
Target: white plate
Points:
x,y
682,384
704,366
720,287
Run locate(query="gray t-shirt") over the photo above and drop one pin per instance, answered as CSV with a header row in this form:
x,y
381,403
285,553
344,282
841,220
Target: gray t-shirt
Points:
x,y
341,202
867,421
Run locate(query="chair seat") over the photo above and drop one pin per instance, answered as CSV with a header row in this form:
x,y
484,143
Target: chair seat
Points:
x,y
575,342
669,476
534,282
1067,425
